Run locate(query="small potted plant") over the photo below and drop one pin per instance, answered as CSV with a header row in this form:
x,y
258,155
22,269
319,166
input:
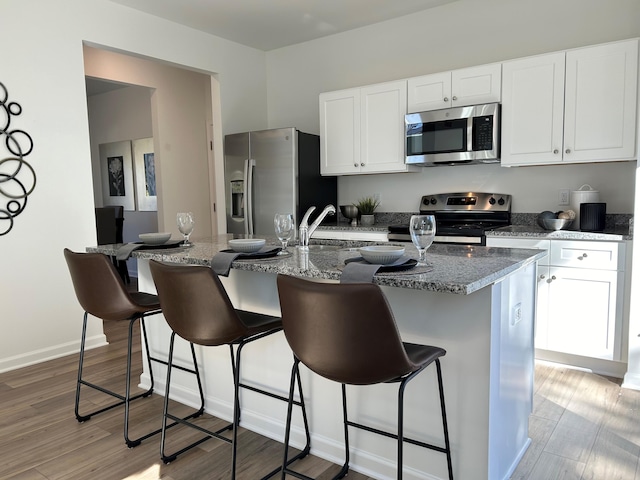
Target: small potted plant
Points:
x,y
366,207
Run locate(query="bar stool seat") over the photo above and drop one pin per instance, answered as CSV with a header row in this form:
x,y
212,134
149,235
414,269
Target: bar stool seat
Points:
x,y
101,292
347,333
198,309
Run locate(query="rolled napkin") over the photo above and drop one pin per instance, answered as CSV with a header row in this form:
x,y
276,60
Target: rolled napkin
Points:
x,y
221,261
124,251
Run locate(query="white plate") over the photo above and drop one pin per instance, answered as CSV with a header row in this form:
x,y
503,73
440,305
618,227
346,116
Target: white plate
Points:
x,y
155,238
247,245
381,254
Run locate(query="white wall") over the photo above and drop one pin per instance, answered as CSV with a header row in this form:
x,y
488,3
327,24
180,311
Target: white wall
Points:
x,y
43,70
456,35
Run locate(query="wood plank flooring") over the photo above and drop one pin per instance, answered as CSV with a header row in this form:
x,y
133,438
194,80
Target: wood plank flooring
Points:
x,y
584,426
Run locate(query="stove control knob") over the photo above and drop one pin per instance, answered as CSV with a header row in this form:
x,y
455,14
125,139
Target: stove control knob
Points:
x,y
492,201
433,201
425,200
501,201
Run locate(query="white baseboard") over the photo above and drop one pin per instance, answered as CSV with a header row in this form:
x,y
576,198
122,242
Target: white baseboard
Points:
x,y
600,366
631,381
51,353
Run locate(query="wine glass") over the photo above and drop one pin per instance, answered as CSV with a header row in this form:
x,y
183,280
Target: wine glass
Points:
x,y
285,228
423,230
185,225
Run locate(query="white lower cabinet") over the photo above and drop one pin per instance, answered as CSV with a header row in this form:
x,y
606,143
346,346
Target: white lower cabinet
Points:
x,y
580,296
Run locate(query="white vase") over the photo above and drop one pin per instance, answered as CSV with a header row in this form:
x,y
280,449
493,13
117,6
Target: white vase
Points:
x,y
367,219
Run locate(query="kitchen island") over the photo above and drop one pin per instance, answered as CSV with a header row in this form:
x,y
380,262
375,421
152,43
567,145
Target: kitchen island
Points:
x,y
475,302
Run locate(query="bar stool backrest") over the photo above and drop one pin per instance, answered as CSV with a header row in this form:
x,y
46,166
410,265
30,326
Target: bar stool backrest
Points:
x,y
196,305
343,332
99,288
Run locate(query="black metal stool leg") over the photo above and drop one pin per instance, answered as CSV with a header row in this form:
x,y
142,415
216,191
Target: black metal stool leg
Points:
x,y
184,420
445,428
81,418
345,467
287,430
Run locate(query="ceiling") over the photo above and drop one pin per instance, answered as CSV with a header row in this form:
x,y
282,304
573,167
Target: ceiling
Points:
x,y
271,24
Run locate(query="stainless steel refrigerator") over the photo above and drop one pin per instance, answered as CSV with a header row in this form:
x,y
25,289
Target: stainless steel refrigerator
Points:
x,y
273,171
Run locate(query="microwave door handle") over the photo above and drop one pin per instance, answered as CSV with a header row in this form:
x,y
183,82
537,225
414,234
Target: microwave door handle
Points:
x,y
249,171
470,151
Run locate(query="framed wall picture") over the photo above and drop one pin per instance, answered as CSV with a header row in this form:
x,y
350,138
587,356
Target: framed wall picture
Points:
x,y
145,174
117,174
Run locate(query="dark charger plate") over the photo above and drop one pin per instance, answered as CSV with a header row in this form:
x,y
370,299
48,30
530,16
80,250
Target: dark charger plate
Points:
x,y
394,267
169,244
255,255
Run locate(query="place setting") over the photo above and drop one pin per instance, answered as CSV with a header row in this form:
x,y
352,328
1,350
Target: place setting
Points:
x,y
160,240
255,248
391,259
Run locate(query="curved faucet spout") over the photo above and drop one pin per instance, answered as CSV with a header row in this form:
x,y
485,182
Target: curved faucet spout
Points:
x,y
305,219
306,230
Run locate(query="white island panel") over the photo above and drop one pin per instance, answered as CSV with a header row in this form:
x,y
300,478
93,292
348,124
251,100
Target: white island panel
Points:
x,y
487,372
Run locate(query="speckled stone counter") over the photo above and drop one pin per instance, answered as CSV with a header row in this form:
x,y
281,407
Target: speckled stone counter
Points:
x,y
615,234
453,268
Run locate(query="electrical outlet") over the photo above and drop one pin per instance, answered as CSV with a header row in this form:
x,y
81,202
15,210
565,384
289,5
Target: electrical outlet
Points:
x,y
564,197
516,314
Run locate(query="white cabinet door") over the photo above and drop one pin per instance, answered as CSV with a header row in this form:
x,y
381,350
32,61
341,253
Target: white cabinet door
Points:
x,y
571,107
429,92
476,85
600,102
340,132
532,110
467,86
582,314
362,130
382,127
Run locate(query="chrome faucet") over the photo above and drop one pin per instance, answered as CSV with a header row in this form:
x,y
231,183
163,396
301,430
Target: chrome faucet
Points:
x,y
305,231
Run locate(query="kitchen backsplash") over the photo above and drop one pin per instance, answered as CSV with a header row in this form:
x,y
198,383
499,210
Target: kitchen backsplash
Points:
x,y
613,221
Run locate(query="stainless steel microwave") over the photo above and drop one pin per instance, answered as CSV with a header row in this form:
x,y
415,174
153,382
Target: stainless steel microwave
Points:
x,y
454,136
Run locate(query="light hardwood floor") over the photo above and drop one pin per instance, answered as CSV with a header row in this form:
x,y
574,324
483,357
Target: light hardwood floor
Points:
x,y
584,426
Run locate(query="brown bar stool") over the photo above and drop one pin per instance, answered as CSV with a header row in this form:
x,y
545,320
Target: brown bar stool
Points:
x,y
198,309
347,333
101,293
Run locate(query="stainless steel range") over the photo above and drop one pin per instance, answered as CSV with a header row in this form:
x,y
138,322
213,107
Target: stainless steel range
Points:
x,y
461,217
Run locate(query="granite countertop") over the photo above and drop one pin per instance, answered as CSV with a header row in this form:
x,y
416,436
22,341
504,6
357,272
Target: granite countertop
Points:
x,y
453,268
615,234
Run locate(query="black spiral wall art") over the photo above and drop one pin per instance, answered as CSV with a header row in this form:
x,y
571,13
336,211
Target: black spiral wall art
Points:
x,y
17,176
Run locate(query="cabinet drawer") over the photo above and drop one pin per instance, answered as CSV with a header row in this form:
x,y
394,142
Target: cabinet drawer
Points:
x,y
532,243
581,254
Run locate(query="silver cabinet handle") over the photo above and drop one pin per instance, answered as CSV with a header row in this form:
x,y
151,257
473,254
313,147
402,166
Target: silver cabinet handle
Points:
x,y
553,277
454,98
362,164
568,150
582,257
355,164
542,277
446,99
555,151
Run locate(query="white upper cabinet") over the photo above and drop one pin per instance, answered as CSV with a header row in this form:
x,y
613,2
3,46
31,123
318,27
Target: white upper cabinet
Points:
x,y
467,86
362,130
340,132
571,107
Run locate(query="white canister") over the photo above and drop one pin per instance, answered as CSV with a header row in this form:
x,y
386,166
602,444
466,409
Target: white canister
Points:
x,y
585,194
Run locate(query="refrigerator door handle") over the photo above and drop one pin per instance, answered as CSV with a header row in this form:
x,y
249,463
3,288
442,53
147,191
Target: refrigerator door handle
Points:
x,y
249,165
